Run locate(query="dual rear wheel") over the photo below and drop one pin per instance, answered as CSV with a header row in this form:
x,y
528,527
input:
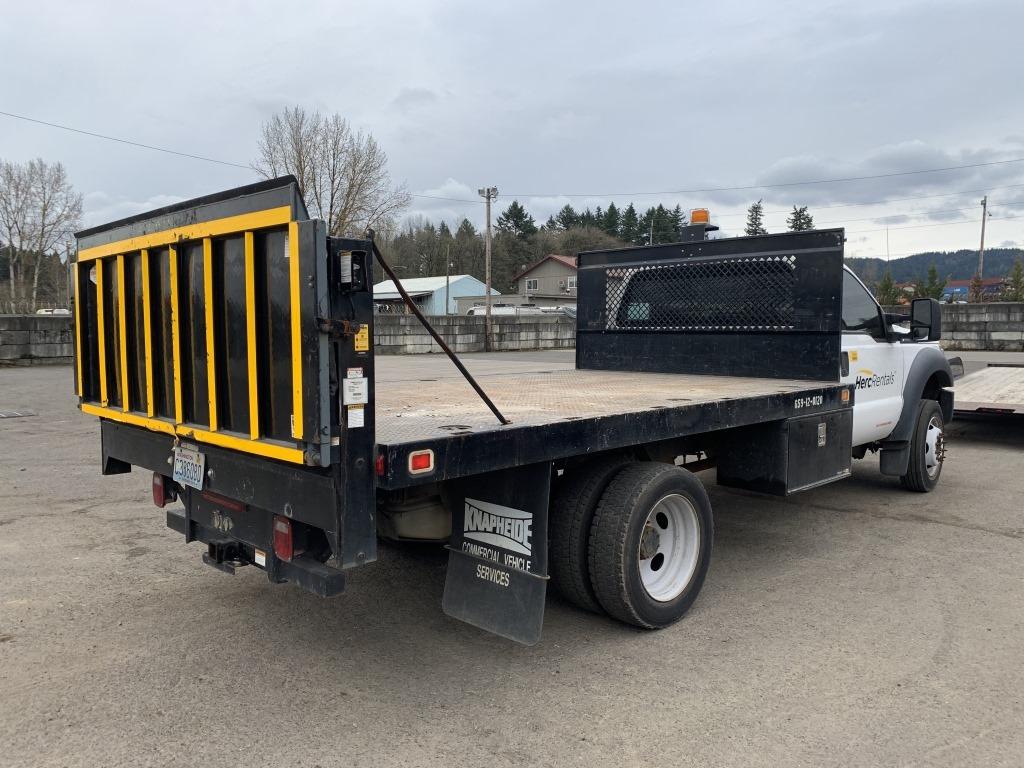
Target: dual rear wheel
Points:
x,y
632,539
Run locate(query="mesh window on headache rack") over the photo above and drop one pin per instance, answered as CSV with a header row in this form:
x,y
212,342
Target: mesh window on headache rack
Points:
x,y
750,293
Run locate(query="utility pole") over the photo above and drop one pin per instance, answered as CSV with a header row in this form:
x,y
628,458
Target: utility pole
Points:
x,y
447,275
981,250
488,194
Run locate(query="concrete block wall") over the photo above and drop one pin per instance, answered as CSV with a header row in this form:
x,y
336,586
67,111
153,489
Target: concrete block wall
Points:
x,y
404,335
28,339
995,327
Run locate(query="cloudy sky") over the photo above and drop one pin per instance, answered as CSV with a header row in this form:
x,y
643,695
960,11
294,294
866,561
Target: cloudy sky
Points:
x,y
577,102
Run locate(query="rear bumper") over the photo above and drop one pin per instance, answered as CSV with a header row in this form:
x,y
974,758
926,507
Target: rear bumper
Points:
x,y
242,494
228,554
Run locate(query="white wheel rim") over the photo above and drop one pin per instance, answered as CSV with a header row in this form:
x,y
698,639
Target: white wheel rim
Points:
x,y
934,448
669,548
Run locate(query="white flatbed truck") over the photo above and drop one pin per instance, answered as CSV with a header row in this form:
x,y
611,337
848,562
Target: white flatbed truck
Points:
x,y
226,346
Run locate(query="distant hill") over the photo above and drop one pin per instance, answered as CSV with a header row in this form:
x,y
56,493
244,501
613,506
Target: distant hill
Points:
x,y
952,265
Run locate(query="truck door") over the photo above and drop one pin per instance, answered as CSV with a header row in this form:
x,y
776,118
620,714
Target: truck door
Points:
x,y
875,365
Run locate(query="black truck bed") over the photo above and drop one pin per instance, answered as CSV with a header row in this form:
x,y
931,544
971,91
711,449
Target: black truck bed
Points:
x,y
557,413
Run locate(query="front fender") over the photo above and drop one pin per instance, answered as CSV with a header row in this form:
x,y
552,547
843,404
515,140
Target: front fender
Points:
x,y
929,362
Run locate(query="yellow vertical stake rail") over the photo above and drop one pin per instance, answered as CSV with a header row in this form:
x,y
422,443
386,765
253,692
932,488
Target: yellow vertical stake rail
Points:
x,y
122,328
250,334
78,330
147,329
296,277
211,357
175,332
101,333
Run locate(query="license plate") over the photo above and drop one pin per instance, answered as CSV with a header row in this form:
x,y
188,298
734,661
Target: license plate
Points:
x,y
189,467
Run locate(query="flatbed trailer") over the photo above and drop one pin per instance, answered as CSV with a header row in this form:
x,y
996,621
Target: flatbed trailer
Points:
x,y
226,345
996,390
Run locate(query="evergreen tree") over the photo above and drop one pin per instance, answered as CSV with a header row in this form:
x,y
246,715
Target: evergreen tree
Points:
x,y
1015,283
587,219
664,231
611,220
517,221
755,221
550,225
800,220
468,251
645,228
677,221
932,287
567,218
629,225
886,292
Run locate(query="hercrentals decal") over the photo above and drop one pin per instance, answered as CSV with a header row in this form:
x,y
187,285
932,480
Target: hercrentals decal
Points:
x,y
869,379
499,526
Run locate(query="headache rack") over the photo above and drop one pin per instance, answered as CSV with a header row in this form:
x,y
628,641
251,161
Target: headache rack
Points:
x,y
200,321
766,306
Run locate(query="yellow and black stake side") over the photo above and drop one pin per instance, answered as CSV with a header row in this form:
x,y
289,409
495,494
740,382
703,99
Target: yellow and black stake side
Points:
x,y
199,321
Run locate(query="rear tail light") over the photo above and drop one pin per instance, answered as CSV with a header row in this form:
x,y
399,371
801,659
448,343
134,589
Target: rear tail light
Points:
x,y
163,490
421,462
284,547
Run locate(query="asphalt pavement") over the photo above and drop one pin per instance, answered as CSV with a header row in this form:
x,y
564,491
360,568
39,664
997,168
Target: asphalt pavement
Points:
x,y
854,624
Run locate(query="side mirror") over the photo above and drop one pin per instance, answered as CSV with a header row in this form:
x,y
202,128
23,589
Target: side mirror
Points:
x,y
926,319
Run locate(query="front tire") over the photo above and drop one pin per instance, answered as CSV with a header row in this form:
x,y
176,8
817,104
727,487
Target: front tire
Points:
x,y
650,544
927,449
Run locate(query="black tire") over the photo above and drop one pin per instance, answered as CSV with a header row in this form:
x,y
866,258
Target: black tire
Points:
x,y
572,512
615,541
918,477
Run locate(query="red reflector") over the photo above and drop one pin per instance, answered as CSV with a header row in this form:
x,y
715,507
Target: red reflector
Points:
x,y
221,501
283,545
163,490
380,465
159,492
421,462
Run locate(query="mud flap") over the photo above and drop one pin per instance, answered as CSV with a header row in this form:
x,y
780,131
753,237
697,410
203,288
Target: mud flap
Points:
x,y
498,555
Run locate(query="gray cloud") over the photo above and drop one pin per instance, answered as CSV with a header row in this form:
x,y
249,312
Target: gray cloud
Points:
x,y
545,99
410,98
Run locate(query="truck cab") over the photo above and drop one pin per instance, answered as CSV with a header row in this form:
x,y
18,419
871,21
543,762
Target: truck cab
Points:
x,y
898,372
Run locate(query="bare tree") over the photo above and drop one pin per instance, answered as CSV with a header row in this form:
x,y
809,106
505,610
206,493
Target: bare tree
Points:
x,y
14,212
342,174
39,209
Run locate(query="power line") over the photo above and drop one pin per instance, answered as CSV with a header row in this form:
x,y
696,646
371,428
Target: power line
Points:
x,y
176,152
229,163
126,141
939,224
884,202
783,184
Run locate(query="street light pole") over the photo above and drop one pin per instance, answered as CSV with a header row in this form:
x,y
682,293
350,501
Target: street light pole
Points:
x,y
488,194
981,250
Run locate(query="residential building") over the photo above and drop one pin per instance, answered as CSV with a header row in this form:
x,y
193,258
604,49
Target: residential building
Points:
x,y
552,280
429,293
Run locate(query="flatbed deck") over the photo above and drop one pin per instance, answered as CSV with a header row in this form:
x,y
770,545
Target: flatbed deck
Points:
x,y
557,413
997,389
